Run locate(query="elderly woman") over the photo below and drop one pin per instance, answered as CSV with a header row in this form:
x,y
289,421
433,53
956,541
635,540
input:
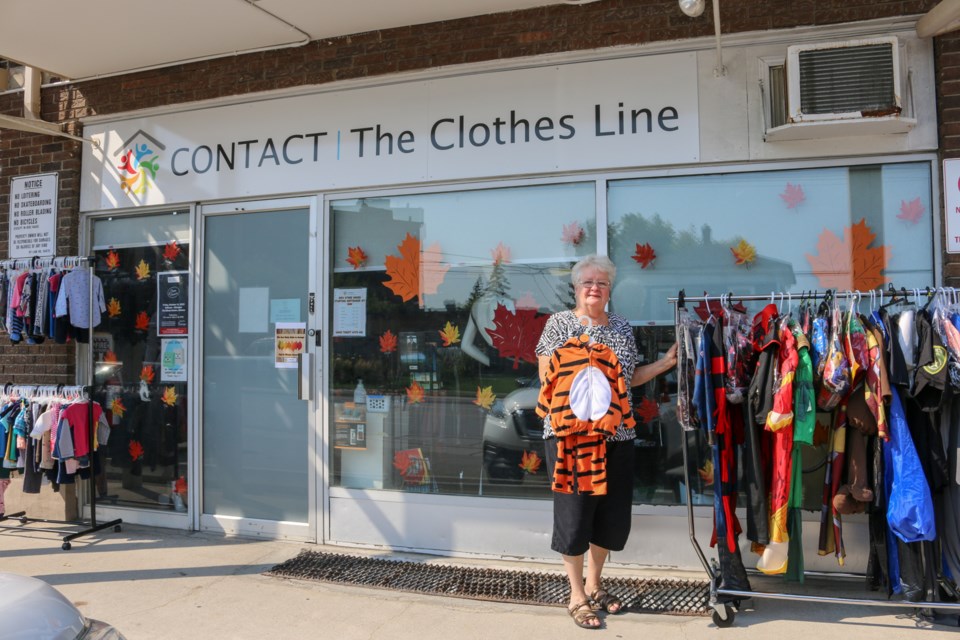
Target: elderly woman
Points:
x,y
583,522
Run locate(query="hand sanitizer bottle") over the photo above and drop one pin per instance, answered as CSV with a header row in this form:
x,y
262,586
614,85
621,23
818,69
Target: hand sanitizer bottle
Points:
x,y
360,394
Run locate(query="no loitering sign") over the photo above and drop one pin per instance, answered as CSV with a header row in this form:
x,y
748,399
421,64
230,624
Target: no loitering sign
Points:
x,y
33,216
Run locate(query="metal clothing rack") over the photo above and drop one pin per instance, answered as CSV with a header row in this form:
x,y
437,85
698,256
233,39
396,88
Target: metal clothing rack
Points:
x,y
724,612
36,263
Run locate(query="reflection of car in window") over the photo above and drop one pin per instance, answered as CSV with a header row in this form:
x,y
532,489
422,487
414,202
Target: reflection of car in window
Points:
x,y
512,428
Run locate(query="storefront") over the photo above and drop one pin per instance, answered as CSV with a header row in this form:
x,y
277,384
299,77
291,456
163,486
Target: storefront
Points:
x,y
323,302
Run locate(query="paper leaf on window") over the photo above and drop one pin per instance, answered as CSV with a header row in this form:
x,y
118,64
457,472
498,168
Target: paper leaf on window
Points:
x,y
411,465
850,263
415,273
648,410
573,234
116,406
415,393
644,255
515,335
432,272
113,308
171,250
169,396
450,335
706,473
143,270
485,397
501,254
911,211
744,253
526,301
143,321
109,356
388,342
113,260
704,311
356,257
793,196
147,374
135,449
530,462
180,486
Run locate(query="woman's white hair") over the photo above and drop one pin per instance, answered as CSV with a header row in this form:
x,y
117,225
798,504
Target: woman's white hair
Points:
x,y
603,263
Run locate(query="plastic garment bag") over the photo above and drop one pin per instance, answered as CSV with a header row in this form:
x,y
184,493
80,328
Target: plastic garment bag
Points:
x,y
909,505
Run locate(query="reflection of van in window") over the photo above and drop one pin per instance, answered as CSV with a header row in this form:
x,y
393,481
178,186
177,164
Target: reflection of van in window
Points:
x,y
511,428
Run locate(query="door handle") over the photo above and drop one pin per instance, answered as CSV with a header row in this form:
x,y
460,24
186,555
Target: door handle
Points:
x,y
305,377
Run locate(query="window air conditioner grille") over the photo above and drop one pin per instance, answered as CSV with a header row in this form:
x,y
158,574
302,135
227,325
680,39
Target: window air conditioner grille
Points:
x,y
847,79
778,95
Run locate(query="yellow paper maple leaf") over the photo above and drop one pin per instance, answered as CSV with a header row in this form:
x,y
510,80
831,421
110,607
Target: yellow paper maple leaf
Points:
x,y
485,397
530,462
415,393
450,334
169,396
143,270
113,308
744,253
117,407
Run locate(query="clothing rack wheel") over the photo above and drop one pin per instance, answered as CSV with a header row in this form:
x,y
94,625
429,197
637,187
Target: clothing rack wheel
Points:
x,y
726,603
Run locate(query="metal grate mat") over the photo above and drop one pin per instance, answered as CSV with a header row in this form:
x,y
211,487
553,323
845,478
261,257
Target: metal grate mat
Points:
x,y
642,595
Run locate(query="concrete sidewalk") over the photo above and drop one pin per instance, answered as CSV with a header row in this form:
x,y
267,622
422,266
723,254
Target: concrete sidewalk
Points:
x,y
158,583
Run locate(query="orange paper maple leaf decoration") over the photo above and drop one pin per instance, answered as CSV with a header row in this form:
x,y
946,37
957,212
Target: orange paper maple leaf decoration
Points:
x,y
744,253
515,334
147,374
171,250
850,263
411,465
143,270
135,449
180,486
415,273
356,257
501,254
169,396
793,196
485,397
450,334
648,410
706,473
388,342
143,321
530,462
911,211
113,260
415,393
113,308
644,255
116,406
110,356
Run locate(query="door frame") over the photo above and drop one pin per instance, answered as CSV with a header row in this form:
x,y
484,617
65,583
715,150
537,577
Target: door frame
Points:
x,y
251,527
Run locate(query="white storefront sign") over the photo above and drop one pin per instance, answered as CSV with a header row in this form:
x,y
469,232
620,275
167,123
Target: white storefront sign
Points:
x,y
638,111
33,216
951,196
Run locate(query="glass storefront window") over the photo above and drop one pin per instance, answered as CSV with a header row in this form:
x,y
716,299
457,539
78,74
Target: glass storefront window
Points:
x,y
438,302
139,352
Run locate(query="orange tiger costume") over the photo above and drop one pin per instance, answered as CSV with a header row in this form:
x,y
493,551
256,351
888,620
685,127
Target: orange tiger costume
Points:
x,y
587,398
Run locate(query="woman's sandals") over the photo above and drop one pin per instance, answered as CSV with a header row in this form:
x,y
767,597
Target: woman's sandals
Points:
x,y
583,615
607,601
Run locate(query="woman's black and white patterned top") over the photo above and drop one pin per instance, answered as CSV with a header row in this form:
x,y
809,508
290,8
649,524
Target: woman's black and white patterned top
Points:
x,y
616,334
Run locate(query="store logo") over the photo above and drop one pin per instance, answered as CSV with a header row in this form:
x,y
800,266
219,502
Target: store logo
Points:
x,y
139,162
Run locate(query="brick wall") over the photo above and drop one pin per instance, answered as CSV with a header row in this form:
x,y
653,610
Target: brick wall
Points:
x,y
485,38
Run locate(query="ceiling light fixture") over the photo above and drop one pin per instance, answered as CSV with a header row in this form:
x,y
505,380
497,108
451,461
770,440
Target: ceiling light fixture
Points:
x,y
694,9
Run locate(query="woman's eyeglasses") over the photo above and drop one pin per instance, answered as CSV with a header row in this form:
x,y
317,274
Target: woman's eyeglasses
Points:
x,y
590,284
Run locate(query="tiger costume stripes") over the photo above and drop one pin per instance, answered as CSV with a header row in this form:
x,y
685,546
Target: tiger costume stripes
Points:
x,y
587,398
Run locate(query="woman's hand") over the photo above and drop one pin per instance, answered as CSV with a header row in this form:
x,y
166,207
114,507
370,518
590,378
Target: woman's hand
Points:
x,y
670,358
647,372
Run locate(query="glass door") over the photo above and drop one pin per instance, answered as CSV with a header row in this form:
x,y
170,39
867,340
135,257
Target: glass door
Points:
x,y
257,417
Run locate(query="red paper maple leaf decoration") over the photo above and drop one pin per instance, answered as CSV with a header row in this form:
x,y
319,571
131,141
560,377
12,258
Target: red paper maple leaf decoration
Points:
x,y
526,301
704,311
850,263
644,255
648,410
793,195
171,250
357,257
415,393
113,260
143,321
388,342
110,356
573,234
515,334
530,462
911,211
415,273
147,374
501,254
135,449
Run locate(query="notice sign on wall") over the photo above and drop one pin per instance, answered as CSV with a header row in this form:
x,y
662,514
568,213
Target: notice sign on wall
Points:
x,y
33,216
951,194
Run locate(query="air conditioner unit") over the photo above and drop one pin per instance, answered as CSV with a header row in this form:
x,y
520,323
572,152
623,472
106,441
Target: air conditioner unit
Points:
x,y
852,87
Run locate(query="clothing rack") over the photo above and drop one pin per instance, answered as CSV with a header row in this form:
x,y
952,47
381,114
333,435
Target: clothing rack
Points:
x,y
724,612
35,391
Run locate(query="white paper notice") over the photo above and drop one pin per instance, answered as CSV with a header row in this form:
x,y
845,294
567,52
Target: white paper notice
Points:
x,y
254,309
350,313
